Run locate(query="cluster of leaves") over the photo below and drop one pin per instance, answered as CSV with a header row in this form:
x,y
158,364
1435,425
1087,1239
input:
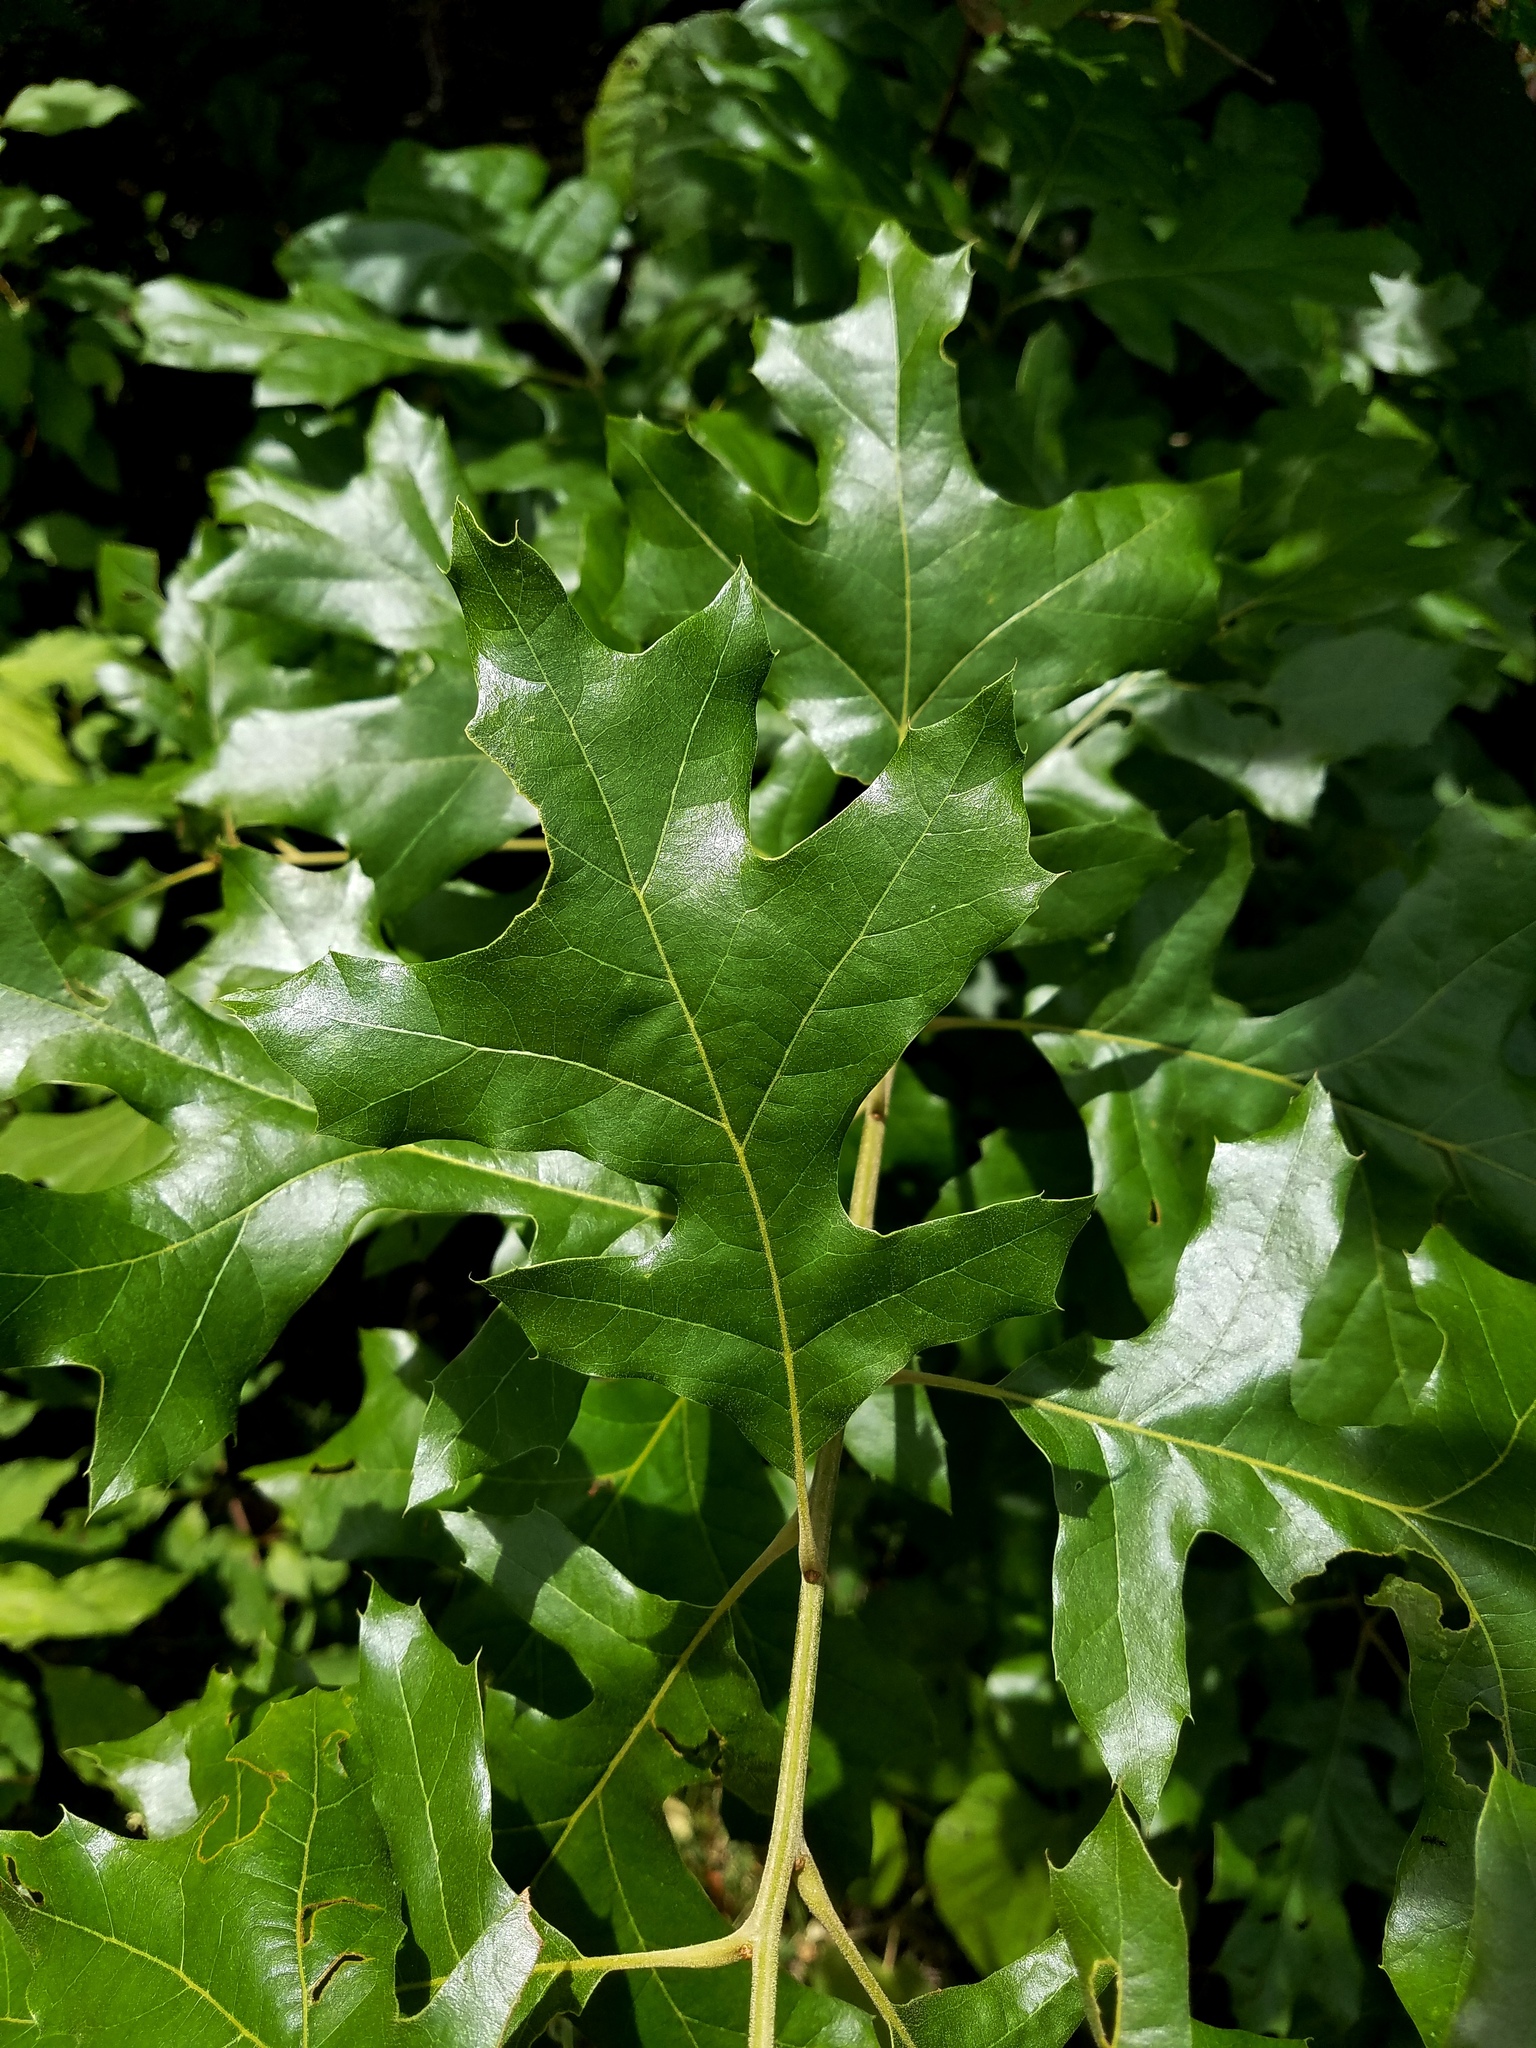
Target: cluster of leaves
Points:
x,y
980,559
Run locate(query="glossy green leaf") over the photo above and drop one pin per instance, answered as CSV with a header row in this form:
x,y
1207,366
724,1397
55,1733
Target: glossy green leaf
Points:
x,y
1500,1971
1125,1929
173,1769
317,347
367,559
1034,2003
582,1826
172,1285
284,1930
431,1790
492,1404
276,919
629,1065
1454,1688
1160,1065
1191,1428
393,778
1367,1348
916,588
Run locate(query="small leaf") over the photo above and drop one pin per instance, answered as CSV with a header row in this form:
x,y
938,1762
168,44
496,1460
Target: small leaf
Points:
x,y
276,919
426,1736
1033,2003
66,104
895,1436
1454,1687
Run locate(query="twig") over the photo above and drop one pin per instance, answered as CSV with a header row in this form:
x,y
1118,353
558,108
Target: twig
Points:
x,y
968,43
532,842
330,858
154,888
1116,19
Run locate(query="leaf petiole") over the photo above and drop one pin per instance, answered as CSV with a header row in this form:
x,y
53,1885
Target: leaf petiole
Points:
x,y
819,1900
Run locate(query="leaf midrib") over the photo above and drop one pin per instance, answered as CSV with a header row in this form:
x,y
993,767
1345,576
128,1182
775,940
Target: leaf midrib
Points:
x,y
638,891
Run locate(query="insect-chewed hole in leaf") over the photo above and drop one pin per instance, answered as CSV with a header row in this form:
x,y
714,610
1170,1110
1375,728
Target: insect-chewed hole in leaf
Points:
x,y
14,1875
1076,1491
1474,1747
322,1983
729,1870
413,1970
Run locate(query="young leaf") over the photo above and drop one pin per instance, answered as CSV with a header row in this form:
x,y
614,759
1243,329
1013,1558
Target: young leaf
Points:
x,y
916,587
683,1010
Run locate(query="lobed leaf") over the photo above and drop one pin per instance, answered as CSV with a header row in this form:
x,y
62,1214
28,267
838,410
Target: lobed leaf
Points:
x,y
914,588
689,1013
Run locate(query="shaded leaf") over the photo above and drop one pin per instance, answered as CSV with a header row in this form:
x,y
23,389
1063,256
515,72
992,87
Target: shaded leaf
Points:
x,y
1453,1686
1500,1972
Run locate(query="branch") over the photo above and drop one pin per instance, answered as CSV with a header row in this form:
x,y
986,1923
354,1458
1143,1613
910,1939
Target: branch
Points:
x,y
1116,19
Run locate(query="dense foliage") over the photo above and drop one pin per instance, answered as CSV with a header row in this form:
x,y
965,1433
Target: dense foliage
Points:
x,y
768,1254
